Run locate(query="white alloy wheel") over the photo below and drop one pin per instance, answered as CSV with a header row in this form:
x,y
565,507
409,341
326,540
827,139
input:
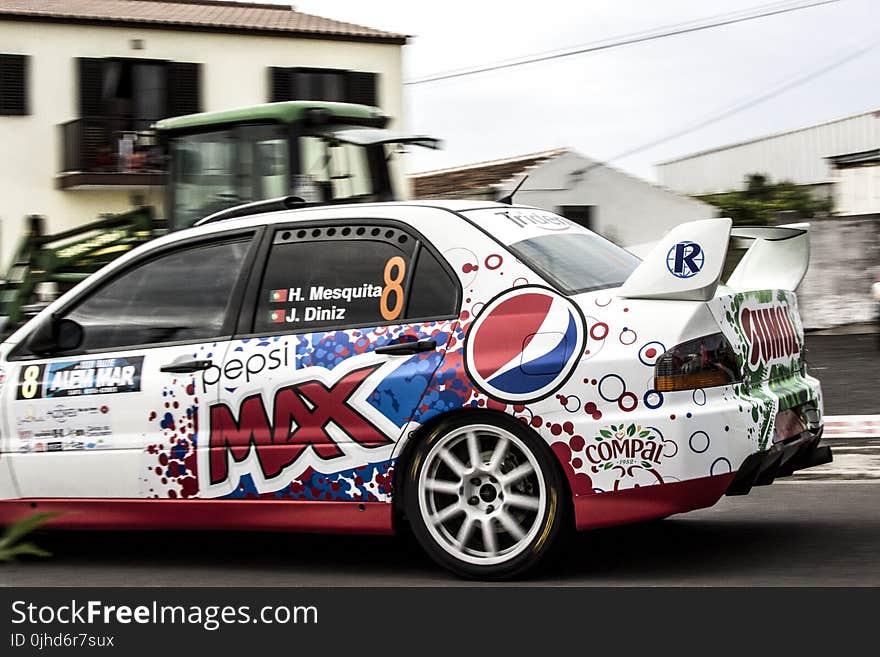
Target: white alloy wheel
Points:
x,y
483,495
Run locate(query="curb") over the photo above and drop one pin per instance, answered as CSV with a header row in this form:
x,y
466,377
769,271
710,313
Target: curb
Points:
x,y
852,426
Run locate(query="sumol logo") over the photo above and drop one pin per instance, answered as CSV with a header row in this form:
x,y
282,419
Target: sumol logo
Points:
x,y
685,259
524,344
770,334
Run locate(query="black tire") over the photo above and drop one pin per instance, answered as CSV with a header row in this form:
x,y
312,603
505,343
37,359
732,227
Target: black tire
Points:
x,y
537,503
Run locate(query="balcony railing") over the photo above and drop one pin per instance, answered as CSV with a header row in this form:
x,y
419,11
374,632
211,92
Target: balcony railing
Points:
x,y
110,151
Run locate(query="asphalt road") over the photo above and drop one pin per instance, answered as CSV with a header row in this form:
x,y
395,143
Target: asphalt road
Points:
x,y
821,528
847,367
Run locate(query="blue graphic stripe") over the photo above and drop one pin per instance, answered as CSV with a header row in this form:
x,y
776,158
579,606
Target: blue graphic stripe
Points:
x,y
539,372
516,381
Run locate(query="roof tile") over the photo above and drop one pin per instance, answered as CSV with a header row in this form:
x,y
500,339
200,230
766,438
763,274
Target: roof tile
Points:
x,y
476,177
194,14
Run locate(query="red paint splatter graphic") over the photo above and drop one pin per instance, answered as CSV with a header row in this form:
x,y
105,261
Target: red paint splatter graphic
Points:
x,y
581,484
493,261
592,410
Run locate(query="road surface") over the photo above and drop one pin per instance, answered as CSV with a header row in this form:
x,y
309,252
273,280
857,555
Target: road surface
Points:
x,y
847,367
821,527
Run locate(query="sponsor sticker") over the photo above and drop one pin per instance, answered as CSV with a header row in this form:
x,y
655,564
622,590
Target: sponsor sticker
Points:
x,y
104,376
524,344
264,438
537,218
770,335
685,259
50,426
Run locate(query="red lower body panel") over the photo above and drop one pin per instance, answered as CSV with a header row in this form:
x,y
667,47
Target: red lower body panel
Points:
x,y
591,511
648,502
255,515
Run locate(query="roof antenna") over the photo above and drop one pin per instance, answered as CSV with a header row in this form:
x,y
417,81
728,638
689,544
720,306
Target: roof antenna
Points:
x,y
508,200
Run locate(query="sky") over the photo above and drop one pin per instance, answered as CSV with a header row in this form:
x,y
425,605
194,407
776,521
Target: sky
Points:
x,y
607,103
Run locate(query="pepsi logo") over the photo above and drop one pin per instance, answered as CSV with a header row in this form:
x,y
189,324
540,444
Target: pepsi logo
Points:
x,y
524,344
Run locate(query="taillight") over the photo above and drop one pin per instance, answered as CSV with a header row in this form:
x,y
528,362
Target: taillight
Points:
x,y
699,363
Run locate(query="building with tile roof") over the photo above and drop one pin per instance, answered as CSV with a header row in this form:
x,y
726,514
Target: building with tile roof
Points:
x,y
78,77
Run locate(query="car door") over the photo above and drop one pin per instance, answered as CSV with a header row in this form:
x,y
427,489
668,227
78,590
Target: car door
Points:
x,y
341,336
118,416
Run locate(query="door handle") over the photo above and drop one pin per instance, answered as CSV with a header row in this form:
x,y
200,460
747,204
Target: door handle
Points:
x,y
187,367
407,348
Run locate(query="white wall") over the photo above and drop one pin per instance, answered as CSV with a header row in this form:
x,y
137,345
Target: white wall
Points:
x,y
797,156
628,210
234,73
857,190
844,263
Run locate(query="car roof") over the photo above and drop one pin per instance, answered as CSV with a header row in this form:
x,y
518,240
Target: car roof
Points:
x,y
311,213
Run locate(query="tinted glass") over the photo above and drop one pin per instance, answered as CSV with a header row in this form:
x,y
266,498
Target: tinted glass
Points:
x,y
433,293
332,170
212,171
180,296
205,176
577,262
315,284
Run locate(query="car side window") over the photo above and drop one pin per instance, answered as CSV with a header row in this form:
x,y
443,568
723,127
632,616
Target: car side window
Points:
x,y
183,295
433,292
334,276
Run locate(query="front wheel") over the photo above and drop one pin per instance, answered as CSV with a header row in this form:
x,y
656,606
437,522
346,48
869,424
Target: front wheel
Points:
x,y
484,497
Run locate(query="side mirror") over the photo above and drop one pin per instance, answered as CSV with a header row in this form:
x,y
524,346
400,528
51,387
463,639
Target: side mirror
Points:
x,y
56,335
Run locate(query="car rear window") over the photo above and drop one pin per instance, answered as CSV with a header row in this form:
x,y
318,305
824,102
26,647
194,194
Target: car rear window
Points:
x,y
577,261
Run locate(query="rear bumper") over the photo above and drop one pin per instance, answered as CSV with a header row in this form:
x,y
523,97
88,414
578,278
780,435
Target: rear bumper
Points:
x,y
781,460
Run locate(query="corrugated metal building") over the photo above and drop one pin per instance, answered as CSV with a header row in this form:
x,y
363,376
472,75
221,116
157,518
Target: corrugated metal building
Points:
x,y
799,156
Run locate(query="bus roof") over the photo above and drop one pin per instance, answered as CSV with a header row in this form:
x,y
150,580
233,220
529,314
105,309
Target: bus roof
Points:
x,y
284,112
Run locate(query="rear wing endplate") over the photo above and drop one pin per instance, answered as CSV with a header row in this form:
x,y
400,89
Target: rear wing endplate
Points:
x,y
776,258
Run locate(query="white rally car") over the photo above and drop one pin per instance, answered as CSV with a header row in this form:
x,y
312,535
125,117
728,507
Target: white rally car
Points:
x,y
490,374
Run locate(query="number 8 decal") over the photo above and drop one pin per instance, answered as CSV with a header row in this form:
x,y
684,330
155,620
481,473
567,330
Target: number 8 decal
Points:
x,y
30,382
393,284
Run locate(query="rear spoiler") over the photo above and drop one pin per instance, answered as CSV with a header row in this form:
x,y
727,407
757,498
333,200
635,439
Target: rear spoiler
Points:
x,y
688,263
776,258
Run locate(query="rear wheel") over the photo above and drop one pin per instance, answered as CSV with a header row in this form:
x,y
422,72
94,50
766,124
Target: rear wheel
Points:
x,y
484,496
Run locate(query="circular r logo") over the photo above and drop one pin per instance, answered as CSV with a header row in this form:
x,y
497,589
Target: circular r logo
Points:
x,y
685,259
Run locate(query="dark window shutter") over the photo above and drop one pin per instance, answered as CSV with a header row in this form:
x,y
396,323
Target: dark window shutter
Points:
x,y
279,84
361,88
13,85
91,83
184,88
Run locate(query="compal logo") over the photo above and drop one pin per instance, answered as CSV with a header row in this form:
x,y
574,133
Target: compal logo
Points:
x,y
524,344
685,259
